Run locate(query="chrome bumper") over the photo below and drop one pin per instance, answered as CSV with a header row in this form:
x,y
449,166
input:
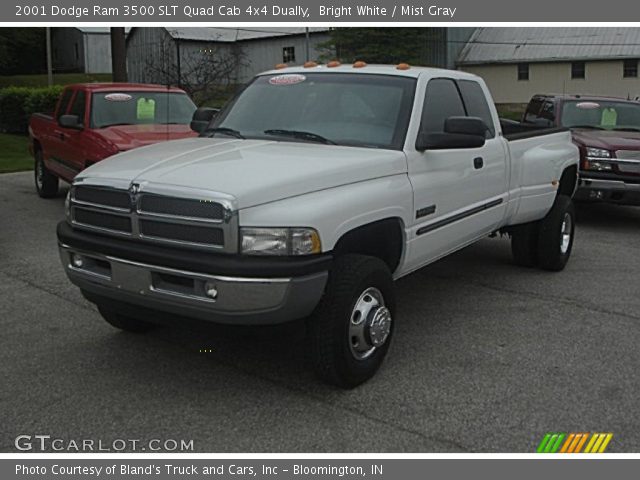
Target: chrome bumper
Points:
x,y
218,299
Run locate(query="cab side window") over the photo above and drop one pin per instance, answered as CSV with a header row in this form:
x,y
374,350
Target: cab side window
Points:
x,y
442,100
78,106
64,103
476,104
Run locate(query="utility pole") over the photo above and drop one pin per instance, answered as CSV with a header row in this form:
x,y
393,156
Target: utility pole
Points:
x,y
49,63
306,35
118,54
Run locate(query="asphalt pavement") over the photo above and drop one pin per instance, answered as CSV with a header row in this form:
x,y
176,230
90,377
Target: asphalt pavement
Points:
x,y
487,356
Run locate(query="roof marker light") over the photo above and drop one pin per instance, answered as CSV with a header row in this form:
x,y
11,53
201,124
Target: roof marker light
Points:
x,y
280,66
333,63
359,64
310,64
403,66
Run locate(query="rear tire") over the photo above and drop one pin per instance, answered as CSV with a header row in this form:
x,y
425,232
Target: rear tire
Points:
x,y
124,322
555,238
46,182
524,244
350,331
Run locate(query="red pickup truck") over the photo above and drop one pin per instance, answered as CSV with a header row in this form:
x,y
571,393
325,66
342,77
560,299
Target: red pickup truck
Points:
x,y
93,121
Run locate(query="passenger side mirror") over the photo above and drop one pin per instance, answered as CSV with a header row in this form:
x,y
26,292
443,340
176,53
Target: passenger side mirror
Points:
x,y
459,132
202,117
70,121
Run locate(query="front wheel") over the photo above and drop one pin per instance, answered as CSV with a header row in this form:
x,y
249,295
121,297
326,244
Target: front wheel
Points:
x,y
351,329
556,233
46,182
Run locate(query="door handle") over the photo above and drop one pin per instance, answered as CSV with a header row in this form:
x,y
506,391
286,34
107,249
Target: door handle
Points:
x,y
478,163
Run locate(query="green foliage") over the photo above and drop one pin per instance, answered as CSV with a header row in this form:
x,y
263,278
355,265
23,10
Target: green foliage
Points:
x,y
379,45
18,103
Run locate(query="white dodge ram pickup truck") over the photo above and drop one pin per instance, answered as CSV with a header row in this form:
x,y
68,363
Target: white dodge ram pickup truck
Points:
x,y
306,196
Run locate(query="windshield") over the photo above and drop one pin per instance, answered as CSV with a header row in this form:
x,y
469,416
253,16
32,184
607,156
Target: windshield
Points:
x,y
136,108
343,109
601,115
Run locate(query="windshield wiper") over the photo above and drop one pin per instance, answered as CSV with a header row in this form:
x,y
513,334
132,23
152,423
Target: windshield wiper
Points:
x,y
626,129
592,127
115,124
313,137
209,132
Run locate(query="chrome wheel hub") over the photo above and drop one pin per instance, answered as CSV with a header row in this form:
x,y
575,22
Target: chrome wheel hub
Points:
x,y
370,324
566,232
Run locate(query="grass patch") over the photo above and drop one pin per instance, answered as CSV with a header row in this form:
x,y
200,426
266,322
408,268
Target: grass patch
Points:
x,y
15,154
58,79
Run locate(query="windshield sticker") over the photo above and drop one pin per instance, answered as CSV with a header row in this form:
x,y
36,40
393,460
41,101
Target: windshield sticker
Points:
x,y
588,105
289,79
118,97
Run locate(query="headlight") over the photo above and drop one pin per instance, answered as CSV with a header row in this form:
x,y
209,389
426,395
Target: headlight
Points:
x,y
598,153
597,159
67,206
279,241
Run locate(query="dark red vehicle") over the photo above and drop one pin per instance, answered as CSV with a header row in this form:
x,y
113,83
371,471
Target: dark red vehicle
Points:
x,y
93,121
607,132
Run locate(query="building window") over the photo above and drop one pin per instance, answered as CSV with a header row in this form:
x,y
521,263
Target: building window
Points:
x,y
523,71
630,69
288,54
578,70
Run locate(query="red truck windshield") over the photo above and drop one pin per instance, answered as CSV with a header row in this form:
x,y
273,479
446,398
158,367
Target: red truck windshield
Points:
x,y
135,108
601,115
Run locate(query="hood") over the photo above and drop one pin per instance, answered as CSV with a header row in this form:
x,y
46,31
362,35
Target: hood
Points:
x,y
252,171
126,137
607,139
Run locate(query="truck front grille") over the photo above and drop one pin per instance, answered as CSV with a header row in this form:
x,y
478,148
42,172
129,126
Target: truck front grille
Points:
x,y
103,220
153,217
205,235
183,207
103,196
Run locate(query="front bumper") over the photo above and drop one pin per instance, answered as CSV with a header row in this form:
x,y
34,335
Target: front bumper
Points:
x,y
136,285
604,190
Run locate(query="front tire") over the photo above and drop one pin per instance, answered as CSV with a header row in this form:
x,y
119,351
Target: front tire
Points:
x,y
351,329
46,182
124,322
555,237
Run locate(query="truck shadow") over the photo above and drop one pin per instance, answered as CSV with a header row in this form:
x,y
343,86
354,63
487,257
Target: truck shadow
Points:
x,y
609,216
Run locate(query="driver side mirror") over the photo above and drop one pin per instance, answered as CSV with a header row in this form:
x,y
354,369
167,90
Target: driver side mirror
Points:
x,y
202,117
459,132
70,121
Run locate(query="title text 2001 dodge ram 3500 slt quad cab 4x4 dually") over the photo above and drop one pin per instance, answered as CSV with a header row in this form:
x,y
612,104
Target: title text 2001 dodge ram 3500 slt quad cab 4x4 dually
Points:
x,y
306,196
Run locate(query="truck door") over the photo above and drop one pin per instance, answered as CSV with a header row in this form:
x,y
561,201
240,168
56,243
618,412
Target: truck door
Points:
x,y
74,148
54,144
459,194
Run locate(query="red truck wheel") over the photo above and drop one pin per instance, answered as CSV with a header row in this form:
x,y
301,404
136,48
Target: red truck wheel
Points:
x,y
46,182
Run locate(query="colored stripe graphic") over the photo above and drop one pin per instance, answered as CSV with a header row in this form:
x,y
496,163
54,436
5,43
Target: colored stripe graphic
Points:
x,y
555,442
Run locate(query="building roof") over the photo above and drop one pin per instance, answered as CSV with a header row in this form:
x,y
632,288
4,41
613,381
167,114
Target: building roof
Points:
x,y
221,34
549,44
99,29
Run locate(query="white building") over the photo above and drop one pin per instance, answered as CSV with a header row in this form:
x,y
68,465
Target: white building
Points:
x,y
81,49
519,62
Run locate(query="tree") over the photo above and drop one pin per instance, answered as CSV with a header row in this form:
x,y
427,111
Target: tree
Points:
x,y
380,45
205,73
22,51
